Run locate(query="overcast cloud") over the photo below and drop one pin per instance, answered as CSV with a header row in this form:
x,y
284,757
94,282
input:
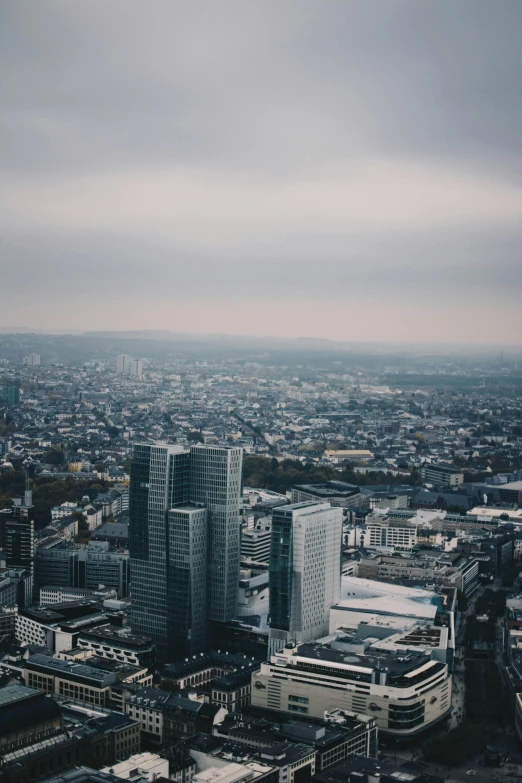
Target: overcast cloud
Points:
x,y
339,168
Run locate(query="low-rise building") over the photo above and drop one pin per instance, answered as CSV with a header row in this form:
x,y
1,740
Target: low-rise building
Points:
x,y
167,717
340,735
26,716
148,766
57,627
119,644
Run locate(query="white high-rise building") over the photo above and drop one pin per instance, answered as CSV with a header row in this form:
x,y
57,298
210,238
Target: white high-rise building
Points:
x,y
305,571
33,360
126,365
136,367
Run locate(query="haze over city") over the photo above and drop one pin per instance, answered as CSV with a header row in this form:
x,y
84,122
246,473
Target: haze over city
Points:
x,y
339,170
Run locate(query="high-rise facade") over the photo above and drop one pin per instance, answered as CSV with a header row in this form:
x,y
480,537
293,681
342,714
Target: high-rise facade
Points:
x,y
33,360
126,365
184,542
215,482
187,579
305,571
17,533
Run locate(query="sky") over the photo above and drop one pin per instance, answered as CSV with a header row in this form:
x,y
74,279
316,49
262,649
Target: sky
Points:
x,y
348,169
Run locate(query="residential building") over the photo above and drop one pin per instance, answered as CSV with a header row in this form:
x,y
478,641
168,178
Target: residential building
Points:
x,y
167,717
33,360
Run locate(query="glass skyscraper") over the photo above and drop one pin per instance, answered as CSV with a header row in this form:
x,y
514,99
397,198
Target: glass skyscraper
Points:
x,y
215,482
184,542
305,571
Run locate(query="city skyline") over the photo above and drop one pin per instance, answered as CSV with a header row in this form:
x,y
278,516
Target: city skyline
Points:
x,y
326,171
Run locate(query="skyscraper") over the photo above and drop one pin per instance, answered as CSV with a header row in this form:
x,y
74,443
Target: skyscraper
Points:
x,y
187,579
305,571
17,532
215,482
184,524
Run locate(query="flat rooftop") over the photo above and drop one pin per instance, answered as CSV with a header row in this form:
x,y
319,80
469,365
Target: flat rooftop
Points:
x,y
67,667
329,489
118,635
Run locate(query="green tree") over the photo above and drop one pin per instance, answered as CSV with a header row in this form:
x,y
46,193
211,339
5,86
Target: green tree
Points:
x,y
54,457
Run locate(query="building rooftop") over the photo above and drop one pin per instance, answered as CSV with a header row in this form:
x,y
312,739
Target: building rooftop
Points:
x,y
15,693
328,489
68,668
121,636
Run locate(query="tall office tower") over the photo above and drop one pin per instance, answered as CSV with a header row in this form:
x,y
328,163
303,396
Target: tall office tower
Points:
x,y
305,571
187,579
158,482
184,542
17,533
215,482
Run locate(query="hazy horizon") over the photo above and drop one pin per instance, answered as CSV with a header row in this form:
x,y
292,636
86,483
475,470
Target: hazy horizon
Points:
x,y
315,169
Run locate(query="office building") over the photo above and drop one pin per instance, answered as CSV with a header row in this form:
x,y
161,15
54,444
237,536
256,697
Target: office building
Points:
x,y
184,542
340,735
337,493
86,568
442,475
389,533
187,527
17,533
76,681
404,687
215,482
159,482
56,627
255,541
118,644
305,571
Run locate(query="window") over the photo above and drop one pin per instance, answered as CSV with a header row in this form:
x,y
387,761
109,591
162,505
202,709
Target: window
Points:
x,y
299,699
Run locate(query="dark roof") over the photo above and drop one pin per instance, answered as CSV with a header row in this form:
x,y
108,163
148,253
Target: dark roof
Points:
x,y
27,712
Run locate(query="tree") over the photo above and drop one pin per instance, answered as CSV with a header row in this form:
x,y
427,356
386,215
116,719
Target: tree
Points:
x,y
54,457
195,437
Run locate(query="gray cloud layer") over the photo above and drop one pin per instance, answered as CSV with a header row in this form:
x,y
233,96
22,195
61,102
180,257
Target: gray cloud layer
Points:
x,y
268,166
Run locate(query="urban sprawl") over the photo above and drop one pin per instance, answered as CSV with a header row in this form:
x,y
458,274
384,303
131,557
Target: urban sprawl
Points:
x,y
226,561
